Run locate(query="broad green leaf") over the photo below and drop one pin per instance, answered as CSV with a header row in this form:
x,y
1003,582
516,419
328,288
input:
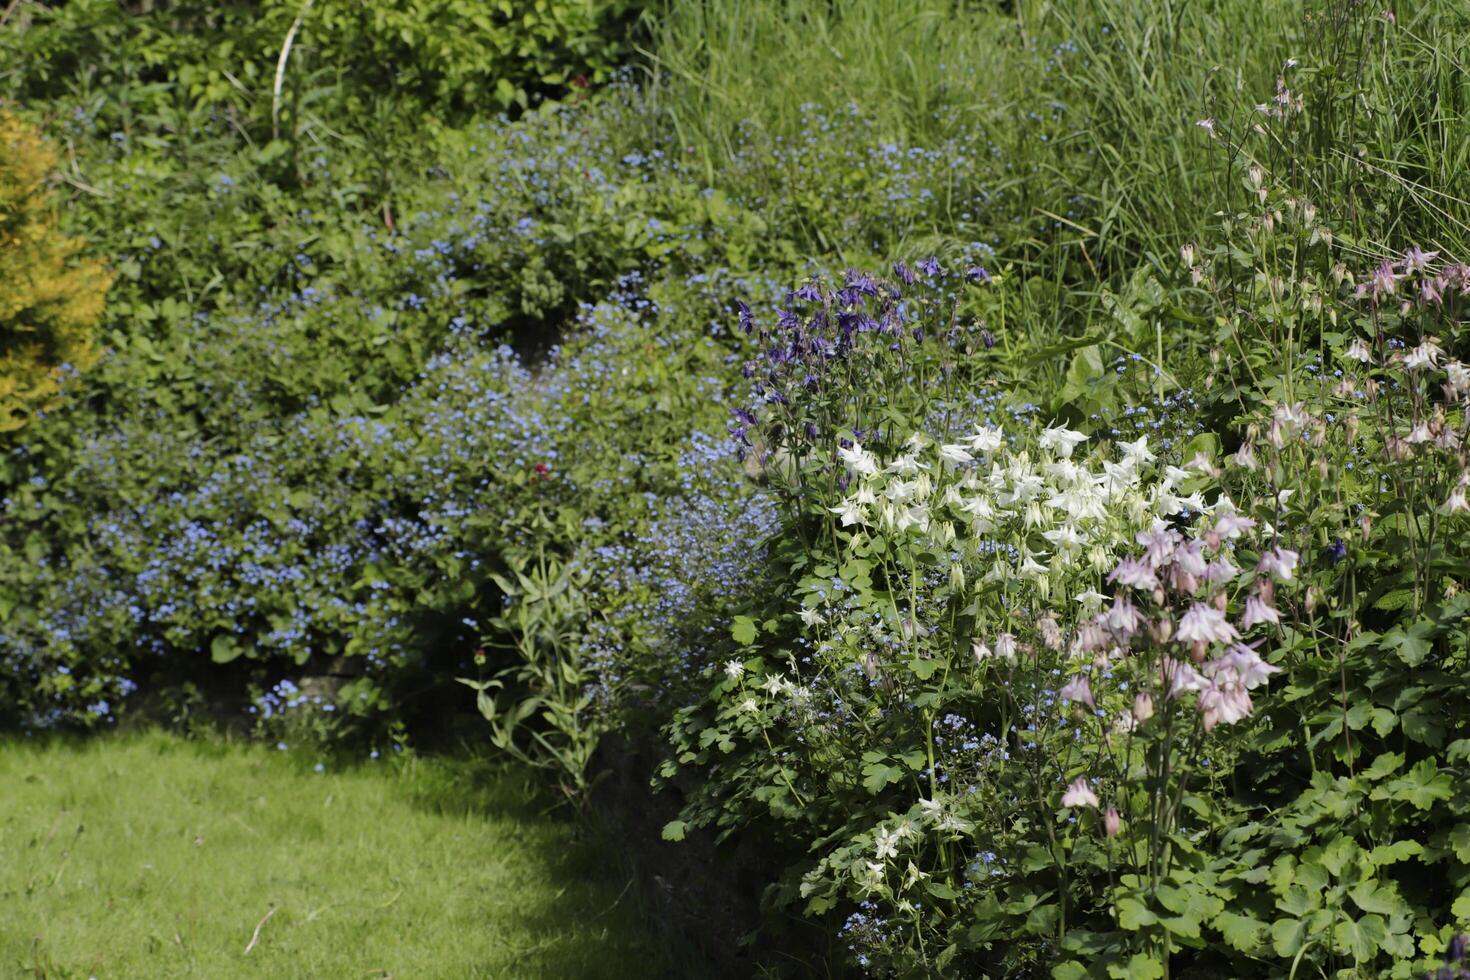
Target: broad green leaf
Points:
x,y
1134,915
1240,931
743,630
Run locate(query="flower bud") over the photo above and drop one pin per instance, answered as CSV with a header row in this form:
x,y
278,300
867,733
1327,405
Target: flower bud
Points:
x,y
1112,823
1197,651
1143,707
1162,629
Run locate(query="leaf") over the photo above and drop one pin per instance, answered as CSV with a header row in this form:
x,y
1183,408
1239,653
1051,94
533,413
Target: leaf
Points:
x,y
1374,896
224,649
1288,936
743,630
1399,850
1070,970
1134,915
1412,646
1139,967
1361,938
1240,931
674,830
1460,842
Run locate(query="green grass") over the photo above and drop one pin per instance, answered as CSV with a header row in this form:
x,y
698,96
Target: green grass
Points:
x,y
150,856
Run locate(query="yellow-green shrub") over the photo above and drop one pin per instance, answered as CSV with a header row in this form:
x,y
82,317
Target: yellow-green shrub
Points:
x,y
50,299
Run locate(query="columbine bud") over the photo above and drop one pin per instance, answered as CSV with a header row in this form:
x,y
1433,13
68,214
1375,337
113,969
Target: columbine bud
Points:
x,y
1313,599
1143,707
1352,427
1366,524
1323,469
1186,252
1197,651
1161,630
1112,823
1257,176
1221,601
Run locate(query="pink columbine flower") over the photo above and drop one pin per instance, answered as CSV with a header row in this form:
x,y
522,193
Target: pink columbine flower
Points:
x,y
1231,525
1205,624
1225,701
1416,259
1258,610
1244,664
1124,617
1280,562
1078,689
1080,794
1131,571
1112,823
1143,707
1181,677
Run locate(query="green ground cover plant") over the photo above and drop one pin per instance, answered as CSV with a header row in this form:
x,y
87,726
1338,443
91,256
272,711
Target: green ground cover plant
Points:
x,y
1006,461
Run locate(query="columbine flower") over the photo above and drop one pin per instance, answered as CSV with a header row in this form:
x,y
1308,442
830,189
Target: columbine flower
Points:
x,y
1416,260
987,439
811,617
1230,525
1080,794
734,670
1358,351
1112,823
955,455
1078,689
1136,451
851,512
859,460
1245,664
1224,701
1091,600
1005,646
1124,617
886,844
1205,624
1208,125
1061,440
1279,562
1138,574
1181,677
981,651
1143,707
1456,502
1257,610
1426,355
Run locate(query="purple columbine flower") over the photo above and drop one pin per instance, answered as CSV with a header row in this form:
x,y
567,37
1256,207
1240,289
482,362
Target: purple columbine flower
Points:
x,y
747,322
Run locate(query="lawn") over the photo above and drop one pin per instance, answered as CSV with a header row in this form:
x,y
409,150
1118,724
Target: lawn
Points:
x,y
152,856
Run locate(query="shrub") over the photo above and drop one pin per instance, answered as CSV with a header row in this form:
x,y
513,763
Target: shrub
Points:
x,y
50,298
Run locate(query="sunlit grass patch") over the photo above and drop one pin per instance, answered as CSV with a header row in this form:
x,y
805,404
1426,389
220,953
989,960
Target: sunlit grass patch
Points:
x,y
150,856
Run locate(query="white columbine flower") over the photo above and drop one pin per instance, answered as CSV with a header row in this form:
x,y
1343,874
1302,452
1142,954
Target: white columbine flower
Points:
x,y
1426,355
1358,351
987,439
1061,440
859,460
811,617
955,455
1137,452
734,670
1080,794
